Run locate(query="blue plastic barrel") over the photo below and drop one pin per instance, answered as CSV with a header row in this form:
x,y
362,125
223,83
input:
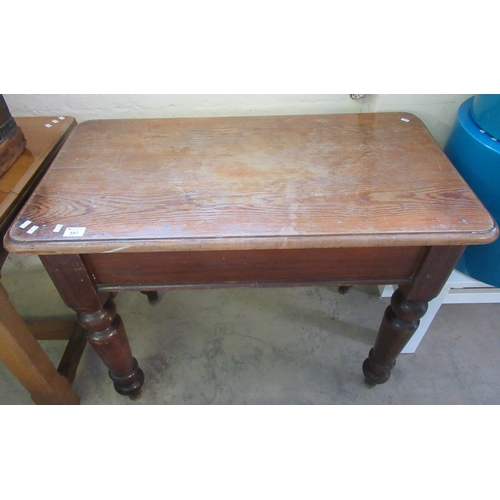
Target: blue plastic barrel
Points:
x,y
475,152
485,112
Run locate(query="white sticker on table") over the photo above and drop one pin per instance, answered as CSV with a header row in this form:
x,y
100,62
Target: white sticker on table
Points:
x,y
58,228
74,232
25,224
32,229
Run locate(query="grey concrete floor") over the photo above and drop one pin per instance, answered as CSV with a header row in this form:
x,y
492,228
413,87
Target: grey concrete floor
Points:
x,y
301,346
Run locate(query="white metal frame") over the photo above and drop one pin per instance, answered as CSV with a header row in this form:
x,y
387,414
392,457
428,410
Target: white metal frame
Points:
x,y
459,289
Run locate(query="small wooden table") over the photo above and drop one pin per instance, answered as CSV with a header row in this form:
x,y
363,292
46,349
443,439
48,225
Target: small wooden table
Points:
x,y
260,201
19,348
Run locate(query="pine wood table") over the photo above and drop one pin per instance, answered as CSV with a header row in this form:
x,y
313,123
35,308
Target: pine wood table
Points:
x,y
19,349
143,205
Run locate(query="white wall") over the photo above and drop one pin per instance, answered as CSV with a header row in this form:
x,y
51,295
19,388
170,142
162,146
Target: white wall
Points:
x,y
437,111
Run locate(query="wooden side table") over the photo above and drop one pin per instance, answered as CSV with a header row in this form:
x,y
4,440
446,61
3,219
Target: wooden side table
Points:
x,y
19,348
143,205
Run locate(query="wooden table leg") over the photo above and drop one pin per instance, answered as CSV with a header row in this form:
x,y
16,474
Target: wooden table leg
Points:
x,y
27,361
152,296
400,322
408,304
96,313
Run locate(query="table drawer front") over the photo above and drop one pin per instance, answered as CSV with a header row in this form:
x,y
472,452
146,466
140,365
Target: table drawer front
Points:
x,y
374,265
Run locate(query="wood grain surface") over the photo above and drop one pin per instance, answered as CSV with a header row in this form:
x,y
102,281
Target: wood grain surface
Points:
x,y
321,181
42,144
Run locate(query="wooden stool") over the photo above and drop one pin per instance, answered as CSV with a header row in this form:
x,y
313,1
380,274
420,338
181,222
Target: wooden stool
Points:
x,y
19,348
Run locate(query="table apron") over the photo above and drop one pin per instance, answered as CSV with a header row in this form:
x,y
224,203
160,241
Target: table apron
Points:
x,y
207,269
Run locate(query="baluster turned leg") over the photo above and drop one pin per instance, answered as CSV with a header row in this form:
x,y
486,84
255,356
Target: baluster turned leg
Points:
x,y
106,334
408,304
96,313
400,322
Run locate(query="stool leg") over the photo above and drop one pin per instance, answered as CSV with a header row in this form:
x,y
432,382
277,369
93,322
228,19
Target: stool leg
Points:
x,y
27,361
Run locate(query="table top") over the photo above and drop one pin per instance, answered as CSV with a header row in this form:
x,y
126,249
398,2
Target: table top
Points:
x,y
234,183
42,144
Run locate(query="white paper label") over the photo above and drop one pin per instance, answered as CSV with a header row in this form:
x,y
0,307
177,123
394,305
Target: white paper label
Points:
x,y
61,118
32,229
57,228
48,125
74,232
55,121
25,224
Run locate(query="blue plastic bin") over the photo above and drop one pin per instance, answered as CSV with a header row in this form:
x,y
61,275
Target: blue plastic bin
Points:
x,y
475,152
